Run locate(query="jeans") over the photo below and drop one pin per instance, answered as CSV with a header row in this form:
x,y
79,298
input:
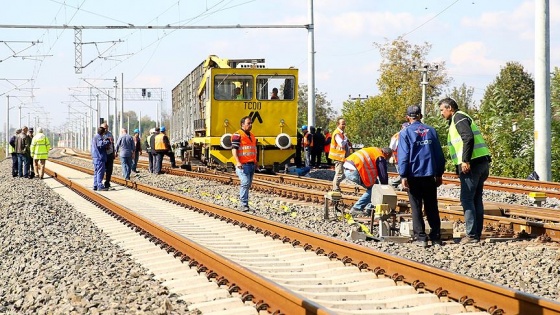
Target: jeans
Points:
x,y
245,175
98,172
126,164
365,200
307,156
423,190
158,162
472,185
23,165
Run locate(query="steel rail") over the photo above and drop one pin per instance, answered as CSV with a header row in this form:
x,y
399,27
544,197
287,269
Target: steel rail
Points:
x,y
264,293
468,291
515,218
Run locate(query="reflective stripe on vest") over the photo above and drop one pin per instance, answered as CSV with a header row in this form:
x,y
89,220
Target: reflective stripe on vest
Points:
x,y
247,151
455,142
364,161
336,152
159,144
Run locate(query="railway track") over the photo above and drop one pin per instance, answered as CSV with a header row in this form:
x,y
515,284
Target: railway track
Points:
x,y
513,185
501,220
347,270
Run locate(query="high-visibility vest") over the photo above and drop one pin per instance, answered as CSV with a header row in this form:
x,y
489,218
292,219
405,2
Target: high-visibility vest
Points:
x,y
247,151
394,145
327,145
306,142
159,144
455,142
40,146
10,148
364,161
148,141
336,152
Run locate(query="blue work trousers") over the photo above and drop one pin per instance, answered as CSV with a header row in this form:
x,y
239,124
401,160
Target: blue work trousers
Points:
x,y
245,174
126,165
98,172
365,200
472,186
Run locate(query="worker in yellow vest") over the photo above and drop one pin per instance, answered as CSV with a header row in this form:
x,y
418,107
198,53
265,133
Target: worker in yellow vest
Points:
x,y
472,160
339,150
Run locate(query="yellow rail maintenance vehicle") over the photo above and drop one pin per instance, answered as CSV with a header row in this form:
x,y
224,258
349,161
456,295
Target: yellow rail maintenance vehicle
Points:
x,y
208,104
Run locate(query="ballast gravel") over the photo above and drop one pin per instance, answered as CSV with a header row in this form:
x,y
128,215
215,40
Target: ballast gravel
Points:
x,y
53,260
527,266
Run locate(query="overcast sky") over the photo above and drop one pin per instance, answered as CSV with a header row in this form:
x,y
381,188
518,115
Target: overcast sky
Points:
x,y
474,38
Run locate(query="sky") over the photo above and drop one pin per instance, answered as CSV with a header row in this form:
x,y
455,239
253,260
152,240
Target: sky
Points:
x,y
474,38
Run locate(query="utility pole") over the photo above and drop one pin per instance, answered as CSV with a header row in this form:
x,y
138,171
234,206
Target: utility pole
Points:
x,y
542,134
425,81
311,68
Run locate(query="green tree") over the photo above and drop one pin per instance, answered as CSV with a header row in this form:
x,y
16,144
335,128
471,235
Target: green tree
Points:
x,y
555,123
325,115
555,93
399,82
463,95
506,121
373,121
367,121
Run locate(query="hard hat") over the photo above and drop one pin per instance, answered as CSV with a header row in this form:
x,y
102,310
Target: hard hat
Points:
x,y
162,129
304,127
153,130
136,130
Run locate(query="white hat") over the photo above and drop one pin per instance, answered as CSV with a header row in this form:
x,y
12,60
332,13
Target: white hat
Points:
x,y
153,130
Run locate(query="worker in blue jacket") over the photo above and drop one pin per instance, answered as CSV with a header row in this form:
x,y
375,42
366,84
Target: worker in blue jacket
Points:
x,y
421,166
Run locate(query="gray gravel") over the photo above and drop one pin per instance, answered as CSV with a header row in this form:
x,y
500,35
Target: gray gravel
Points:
x,y
55,261
527,266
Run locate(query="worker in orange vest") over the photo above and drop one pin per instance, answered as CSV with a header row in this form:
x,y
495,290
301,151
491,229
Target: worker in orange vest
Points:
x,y
244,151
327,145
364,167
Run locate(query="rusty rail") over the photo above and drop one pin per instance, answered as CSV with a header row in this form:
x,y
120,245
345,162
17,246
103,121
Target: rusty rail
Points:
x,y
482,294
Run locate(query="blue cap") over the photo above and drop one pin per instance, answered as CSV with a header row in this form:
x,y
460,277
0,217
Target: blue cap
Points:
x,y
162,129
136,130
304,127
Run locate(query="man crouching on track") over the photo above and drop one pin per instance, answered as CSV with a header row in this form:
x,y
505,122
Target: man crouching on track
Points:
x,y
363,168
244,151
99,157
